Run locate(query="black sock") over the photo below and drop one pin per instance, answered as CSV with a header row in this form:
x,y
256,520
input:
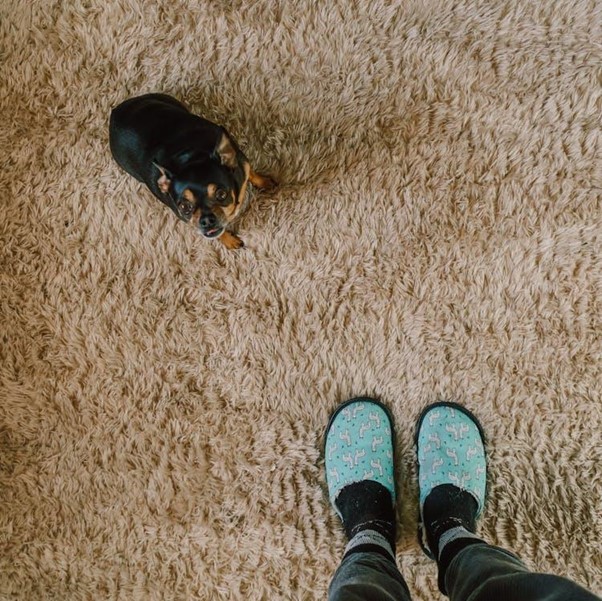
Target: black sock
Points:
x,y
447,506
367,505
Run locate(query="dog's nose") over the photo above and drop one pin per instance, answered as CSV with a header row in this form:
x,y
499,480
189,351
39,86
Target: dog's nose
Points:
x,y
208,222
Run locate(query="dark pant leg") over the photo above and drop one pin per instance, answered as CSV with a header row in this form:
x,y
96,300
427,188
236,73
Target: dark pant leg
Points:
x,y
368,576
480,572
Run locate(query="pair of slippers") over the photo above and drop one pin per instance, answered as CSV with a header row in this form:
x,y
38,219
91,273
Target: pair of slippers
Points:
x,y
449,442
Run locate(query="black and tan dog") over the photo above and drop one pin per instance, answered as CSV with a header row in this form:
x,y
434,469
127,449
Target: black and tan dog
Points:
x,y
190,164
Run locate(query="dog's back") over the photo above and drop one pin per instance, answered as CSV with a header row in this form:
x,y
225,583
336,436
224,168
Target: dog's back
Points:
x,y
157,128
139,128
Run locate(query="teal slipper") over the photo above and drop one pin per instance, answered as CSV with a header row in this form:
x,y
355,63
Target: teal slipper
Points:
x,y
451,450
359,446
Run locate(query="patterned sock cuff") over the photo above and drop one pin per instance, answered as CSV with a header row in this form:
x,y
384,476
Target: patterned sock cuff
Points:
x,y
454,534
370,537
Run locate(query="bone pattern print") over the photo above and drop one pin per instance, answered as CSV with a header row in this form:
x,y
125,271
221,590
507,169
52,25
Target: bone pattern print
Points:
x,y
377,441
450,451
358,409
331,449
375,418
359,447
377,466
358,456
434,438
452,454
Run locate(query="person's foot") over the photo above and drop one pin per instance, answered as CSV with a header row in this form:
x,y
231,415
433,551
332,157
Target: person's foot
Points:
x,y
452,472
359,465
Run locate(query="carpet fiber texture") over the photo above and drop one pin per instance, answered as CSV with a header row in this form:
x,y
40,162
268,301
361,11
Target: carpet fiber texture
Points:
x,y
436,235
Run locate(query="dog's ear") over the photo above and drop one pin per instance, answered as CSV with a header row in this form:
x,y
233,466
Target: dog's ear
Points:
x,y
164,180
226,152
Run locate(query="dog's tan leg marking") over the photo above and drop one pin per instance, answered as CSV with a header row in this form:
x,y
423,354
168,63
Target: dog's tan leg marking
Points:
x,y
230,241
263,182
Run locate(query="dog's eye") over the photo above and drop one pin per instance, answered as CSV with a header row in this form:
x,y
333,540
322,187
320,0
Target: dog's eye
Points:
x,y
221,195
185,208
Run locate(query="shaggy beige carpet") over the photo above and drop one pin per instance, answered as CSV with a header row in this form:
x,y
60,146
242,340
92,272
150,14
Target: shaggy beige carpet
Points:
x,y
436,235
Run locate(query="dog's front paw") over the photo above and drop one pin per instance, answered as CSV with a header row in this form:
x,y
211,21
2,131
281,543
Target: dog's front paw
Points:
x,y
269,183
263,182
230,241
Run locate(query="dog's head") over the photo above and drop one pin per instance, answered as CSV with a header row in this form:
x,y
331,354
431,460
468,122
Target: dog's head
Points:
x,y
207,191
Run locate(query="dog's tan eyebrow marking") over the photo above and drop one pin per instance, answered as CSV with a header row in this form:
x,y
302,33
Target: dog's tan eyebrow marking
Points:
x,y
188,195
211,190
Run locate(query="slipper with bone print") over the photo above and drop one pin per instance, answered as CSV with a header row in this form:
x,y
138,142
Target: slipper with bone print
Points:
x,y
451,450
359,446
